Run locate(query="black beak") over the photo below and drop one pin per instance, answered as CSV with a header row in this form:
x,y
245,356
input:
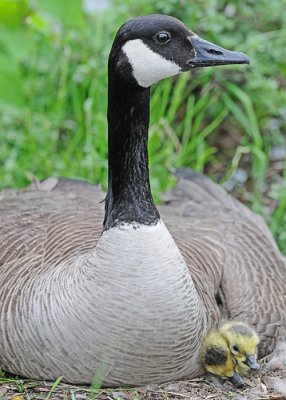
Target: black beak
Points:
x,y
251,361
236,380
208,54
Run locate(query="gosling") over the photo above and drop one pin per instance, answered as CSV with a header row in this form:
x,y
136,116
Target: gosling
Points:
x,y
217,358
243,343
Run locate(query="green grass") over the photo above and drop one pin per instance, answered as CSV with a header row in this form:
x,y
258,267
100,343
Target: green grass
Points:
x,y
53,61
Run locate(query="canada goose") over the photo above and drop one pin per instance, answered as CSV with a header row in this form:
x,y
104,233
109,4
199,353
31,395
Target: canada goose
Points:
x,y
121,305
217,358
243,344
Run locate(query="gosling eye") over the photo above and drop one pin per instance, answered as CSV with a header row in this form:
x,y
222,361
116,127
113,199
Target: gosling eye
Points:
x,y
162,37
235,348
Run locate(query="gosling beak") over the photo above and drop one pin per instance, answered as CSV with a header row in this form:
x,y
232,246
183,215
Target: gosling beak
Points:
x,y
208,54
236,380
251,361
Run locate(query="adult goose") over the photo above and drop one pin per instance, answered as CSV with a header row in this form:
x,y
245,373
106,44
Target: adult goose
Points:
x,y
123,303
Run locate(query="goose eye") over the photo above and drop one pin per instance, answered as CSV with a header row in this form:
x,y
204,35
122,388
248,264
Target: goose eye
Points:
x,y
163,37
235,348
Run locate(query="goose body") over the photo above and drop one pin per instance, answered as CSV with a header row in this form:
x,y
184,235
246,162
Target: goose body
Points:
x,y
78,277
130,303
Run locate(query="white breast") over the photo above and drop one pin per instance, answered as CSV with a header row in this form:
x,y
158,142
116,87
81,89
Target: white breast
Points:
x,y
151,308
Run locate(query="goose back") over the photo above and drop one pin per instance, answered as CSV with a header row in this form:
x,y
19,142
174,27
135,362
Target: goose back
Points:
x,y
251,283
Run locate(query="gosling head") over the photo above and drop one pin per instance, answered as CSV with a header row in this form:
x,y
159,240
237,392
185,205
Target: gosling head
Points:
x,y
217,358
150,48
243,344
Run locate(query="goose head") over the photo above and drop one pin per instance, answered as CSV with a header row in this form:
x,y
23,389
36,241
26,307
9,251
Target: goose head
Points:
x,y
150,48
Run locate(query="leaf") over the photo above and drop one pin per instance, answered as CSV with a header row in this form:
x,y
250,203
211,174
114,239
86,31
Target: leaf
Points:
x,y
14,43
68,12
55,384
12,12
11,86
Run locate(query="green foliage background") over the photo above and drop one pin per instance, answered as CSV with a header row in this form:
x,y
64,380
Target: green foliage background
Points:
x,y
53,60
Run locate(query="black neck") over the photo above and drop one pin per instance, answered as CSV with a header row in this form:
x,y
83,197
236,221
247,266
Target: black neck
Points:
x,y
129,197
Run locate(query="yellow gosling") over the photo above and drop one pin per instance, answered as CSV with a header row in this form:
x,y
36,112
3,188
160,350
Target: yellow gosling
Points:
x,y
243,344
217,358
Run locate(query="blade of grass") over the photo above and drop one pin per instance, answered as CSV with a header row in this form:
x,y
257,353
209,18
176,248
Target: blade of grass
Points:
x,y
55,384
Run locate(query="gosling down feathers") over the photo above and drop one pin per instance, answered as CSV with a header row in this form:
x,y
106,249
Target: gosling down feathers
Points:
x,y
230,351
243,344
130,303
217,358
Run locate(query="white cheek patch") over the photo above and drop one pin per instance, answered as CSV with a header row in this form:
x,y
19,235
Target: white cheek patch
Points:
x,y
148,67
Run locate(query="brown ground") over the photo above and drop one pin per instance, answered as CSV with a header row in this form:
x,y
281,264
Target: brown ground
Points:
x,y
265,385
261,386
